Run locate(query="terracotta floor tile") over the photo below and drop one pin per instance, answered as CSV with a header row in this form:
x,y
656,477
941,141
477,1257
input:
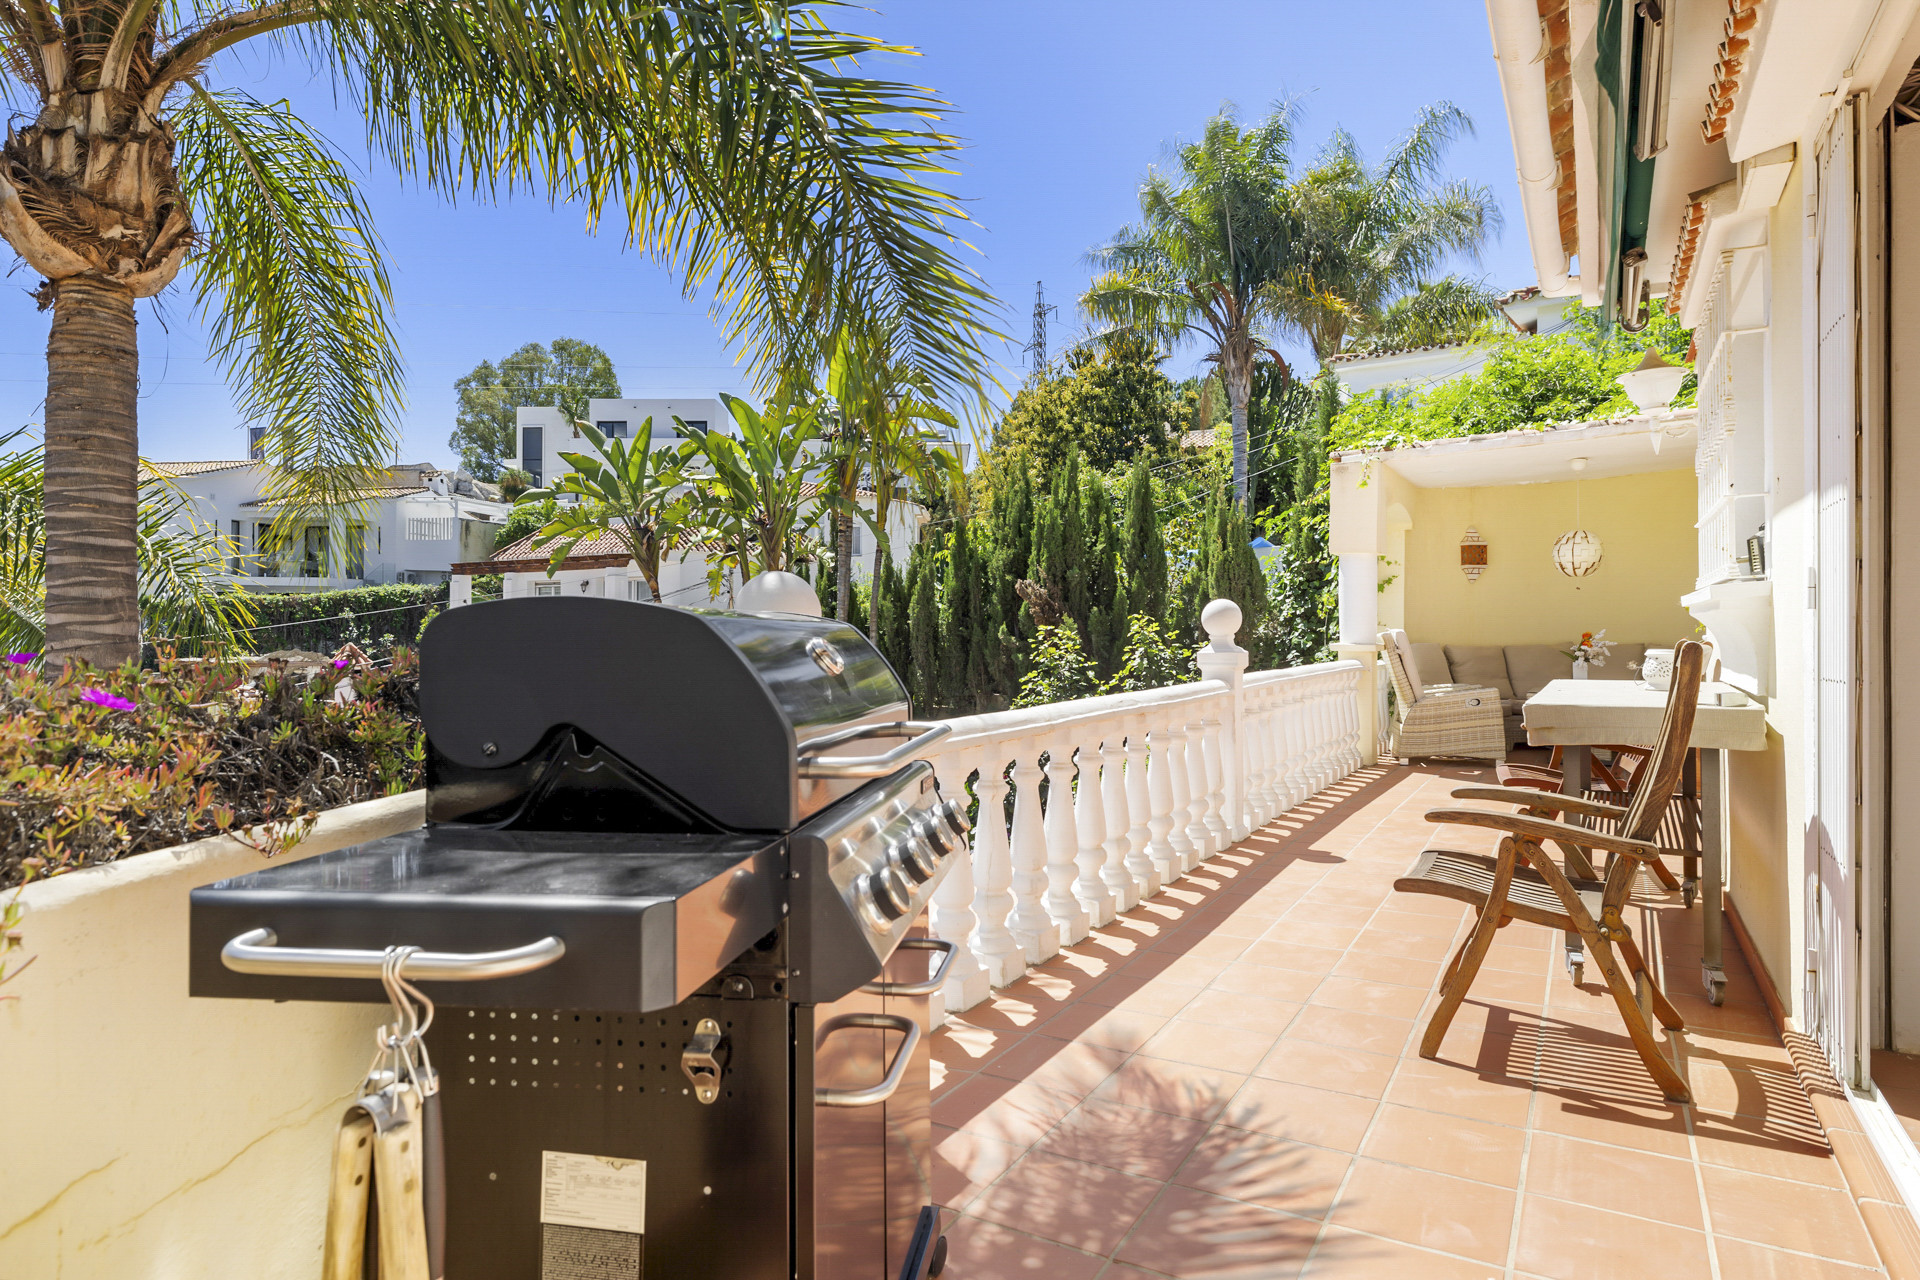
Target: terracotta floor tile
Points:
x,y
1266,1170
1373,1032
1192,1235
1613,1178
1348,1255
985,1251
1416,922
1124,1029
1656,1127
1742,1261
1446,1144
1156,996
1758,1146
1327,1066
1246,1011
1430,1210
1208,1044
1362,996
1199,1093
1070,1066
1300,1113
995,1108
1578,1242
1408,946
1085,1206
1301,932
1292,985
1459,1091
1374,967
1787,1215
1283,949
965,1163
1149,1144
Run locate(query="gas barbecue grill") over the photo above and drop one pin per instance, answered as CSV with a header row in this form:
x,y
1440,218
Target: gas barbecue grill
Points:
x,y
666,897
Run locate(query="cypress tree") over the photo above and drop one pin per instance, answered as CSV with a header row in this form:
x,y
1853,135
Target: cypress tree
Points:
x,y
1069,500
958,606
1106,624
1049,563
1144,551
923,628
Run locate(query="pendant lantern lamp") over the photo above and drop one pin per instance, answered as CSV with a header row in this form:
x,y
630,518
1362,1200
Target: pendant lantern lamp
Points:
x,y
1576,552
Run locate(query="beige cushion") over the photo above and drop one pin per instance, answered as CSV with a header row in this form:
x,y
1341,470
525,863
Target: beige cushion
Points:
x,y
1532,666
1617,659
1432,661
1480,664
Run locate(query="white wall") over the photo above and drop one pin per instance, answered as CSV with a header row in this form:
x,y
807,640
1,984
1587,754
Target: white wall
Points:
x,y
559,433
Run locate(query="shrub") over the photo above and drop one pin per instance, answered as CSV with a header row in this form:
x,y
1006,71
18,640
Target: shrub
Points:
x,y
374,618
1059,671
95,766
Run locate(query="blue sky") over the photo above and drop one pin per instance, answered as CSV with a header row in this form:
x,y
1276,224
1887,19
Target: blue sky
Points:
x,y
1063,105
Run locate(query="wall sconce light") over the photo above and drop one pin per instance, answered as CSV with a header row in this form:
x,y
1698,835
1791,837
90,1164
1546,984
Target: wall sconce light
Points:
x,y
1473,554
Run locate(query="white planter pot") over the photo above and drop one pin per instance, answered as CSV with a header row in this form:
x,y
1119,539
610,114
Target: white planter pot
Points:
x,y
156,1135
1657,668
1579,668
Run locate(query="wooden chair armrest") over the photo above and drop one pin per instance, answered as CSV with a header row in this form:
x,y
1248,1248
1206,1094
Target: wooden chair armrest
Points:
x,y
1551,786
1558,802
1525,824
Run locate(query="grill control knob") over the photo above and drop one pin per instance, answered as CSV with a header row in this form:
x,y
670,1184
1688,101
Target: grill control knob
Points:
x,y
937,834
956,816
912,859
889,893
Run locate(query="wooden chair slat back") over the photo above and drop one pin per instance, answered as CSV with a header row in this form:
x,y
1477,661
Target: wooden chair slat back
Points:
x,y
1660,775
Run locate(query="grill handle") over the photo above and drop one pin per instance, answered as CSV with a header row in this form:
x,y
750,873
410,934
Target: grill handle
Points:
x,y
934,981
924,734
257,951
896,1072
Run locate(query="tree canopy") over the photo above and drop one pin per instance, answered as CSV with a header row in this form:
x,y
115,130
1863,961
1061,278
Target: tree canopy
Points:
x,y
1110,402
567,374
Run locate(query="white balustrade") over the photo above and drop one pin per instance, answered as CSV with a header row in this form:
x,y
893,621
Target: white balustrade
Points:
x,y
1140,788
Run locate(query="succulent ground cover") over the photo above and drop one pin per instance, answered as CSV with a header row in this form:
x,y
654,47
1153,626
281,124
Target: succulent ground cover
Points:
x,y
98,765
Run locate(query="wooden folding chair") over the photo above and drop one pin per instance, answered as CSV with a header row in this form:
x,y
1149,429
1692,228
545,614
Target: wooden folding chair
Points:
x,y
1615,774
1521,881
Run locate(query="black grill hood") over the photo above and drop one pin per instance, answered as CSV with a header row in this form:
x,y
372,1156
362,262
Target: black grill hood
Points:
x,y
696,714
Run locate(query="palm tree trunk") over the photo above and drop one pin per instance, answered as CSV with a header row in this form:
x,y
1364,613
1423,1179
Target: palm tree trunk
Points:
x,y
843,566
92,486
882,552
1239,379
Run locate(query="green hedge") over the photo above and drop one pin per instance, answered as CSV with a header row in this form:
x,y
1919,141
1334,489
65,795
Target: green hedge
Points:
x,y
375,618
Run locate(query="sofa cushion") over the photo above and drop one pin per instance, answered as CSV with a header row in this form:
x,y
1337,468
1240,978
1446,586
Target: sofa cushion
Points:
x,y
1432,661
1532,666
1617,667
1480,664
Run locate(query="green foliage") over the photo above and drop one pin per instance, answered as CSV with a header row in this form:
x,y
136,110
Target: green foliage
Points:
x,y
1058,670
1224,568
1527,383
513,482
889,594
525,520
925,640
378,619
750,493
567,375
207,747
634,494
1144,551
1150,659
1111,403
1303,591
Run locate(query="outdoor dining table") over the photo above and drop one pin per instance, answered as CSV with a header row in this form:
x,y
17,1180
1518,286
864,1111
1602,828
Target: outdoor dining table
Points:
x,y
1577,715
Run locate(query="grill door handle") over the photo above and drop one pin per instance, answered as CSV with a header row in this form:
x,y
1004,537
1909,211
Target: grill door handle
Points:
x,y
896,1071
257,951
933,982
925,734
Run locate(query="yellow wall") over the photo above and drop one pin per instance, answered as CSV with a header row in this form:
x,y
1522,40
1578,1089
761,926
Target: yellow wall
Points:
x,y
1645,526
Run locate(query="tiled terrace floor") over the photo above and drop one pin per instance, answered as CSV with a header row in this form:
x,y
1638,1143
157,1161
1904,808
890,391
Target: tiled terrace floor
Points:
x,y
1225,1083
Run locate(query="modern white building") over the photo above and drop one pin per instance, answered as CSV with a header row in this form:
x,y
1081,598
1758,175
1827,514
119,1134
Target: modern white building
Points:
x,y
417,523
1528,310
543,432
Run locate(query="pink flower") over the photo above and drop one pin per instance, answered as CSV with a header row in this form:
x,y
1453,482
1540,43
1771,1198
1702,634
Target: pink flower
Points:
x,y
339,664
21,659
111,701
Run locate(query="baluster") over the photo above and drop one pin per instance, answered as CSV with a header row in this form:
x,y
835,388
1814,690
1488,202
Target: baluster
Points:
x,y
1063,847
1350,704
1276,752
1199,835
1292,733
1143,808
1180,784
1213,750
1259,797
1323,727
1113,804
1316,771
1030,924
952,917
993,900
1090,822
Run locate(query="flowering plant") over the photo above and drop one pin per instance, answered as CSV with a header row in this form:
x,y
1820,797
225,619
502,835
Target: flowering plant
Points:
x,y
1591,648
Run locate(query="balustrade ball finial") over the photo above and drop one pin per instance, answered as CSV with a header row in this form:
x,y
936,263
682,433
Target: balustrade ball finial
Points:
x,y
1221,620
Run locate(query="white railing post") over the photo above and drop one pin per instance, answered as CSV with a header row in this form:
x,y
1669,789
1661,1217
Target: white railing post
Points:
x,y
1223,660
1119,880
1253,749
1063,848
1170,845
1030,924
1215,756
993,901
952,917
1199,837
1090,822
1352,699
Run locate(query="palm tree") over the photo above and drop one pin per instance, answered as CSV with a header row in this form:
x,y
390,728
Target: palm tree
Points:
x,y
1373,241
892,434
1215,235
636,494
751,494
735,137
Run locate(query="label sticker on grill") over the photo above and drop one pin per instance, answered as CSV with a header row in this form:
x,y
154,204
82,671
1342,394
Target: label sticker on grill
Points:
x,y
579,1253
600,1192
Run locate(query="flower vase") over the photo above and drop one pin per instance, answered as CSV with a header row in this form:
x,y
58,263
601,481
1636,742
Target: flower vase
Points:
x,y
1579,668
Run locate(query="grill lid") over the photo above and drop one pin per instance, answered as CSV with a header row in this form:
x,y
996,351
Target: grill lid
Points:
x,y
710,707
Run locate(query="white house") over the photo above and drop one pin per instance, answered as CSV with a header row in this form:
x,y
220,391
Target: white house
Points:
x,y
1528,310
418,522
542,432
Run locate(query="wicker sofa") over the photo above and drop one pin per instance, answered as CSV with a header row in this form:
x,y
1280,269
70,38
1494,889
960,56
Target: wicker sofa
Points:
x,y
1435,719
1515,671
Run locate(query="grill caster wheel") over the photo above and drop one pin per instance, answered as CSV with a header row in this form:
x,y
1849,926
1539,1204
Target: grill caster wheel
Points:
x,y
1688,892
1577,971
939,1260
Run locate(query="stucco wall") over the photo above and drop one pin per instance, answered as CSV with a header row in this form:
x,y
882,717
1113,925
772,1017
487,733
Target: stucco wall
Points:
x,y
1645,524
155,1136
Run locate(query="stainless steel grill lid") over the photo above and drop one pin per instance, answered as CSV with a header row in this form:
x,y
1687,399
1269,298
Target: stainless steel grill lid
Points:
x,y
707,711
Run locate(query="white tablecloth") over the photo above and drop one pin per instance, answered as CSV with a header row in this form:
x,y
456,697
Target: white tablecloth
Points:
x,y
1590,712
